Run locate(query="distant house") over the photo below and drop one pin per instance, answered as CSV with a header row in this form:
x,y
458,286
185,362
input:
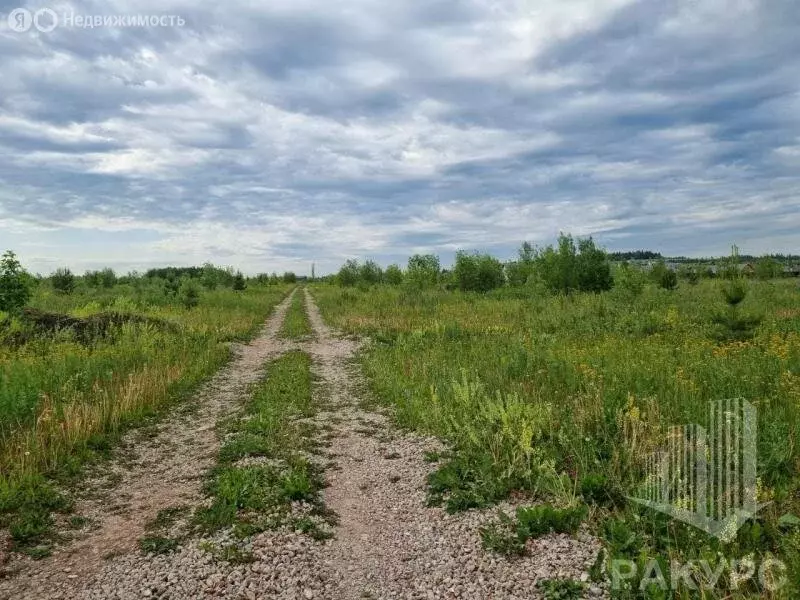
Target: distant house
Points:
x,y
791,271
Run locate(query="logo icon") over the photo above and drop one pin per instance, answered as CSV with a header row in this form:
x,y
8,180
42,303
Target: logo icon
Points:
x,y
20,20
707,478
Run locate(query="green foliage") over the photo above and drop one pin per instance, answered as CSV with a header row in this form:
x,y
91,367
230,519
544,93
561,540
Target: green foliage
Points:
x,y
536,521
663,276
629,280
349,273
154,544
393,275
561,589
508,536
296,325
767,268
239,282
521,271
610,374
370,273
289,277
256,497
189,294
15,284
149,355
570,267
477,272
423,271
105,278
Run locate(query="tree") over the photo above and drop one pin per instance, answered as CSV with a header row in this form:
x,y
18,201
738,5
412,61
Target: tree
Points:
x,y
239,282
629,279
15,284
289,277
594,269
520,271
477,272
370,272
393,275
349,273
423,270
767,268
63,281
663,276
189,294
584,267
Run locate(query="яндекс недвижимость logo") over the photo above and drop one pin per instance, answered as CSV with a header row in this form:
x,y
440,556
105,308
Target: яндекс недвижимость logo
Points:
x,y
707,477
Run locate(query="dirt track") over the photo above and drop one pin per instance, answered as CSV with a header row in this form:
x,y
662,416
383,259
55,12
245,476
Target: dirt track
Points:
x,y
387,544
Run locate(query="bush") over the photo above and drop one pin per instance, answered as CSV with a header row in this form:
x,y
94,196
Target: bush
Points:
x,y
393,275
189,294
423,271
349,274
630,280
584,267
289,277
15,284
663,276
519,272
477,272
767,268
63,281
239,282
370,273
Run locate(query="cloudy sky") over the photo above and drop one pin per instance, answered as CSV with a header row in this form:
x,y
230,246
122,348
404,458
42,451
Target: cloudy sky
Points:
x,y
270,134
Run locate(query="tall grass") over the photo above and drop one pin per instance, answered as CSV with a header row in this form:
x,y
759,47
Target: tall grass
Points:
x,y
535,391
62,401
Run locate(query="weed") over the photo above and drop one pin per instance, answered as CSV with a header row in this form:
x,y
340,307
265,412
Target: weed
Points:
x,y
157,545
561,589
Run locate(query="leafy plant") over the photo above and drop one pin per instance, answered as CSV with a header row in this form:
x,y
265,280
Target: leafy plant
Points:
x,y
477,272
561,589
63,281
15,284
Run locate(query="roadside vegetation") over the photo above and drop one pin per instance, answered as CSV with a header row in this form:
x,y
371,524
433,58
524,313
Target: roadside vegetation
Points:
x,y
296,326
555,377
84,358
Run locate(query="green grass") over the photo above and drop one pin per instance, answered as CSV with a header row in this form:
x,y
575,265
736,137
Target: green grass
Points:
x,y
296,326
255,497
562,398
65,402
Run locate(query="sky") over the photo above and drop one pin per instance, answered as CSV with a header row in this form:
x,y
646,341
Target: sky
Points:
x,y
270,135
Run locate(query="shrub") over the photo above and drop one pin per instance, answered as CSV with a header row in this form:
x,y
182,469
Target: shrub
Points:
x,y
423,271
520,271
477,272
569,268
289,277
630,280
239,282
63,281
767,268
393,275
370,273
349,274
15,284
663,276
189,294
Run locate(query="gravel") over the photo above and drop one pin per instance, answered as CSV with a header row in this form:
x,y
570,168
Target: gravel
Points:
x,y
388,544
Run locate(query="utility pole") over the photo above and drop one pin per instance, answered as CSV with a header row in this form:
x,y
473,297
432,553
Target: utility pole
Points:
x,y
312,271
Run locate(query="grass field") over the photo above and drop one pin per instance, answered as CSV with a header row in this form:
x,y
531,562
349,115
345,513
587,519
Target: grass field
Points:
x,y
564,398
64,400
